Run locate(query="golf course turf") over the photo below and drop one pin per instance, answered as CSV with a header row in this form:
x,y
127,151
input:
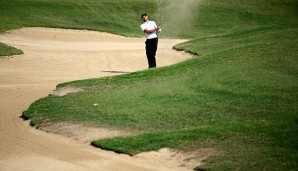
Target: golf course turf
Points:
x,y
238,95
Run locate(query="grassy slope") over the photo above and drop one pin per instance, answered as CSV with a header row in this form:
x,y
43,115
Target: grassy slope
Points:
x,y
239,97
104,15
203,19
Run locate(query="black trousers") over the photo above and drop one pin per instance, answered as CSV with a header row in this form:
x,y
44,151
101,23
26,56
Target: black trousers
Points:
x,y
151,47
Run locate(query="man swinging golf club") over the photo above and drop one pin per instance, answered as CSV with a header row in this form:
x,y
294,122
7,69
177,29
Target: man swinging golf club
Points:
x,y
150,29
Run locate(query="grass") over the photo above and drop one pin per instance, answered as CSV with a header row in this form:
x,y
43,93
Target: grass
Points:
x,y
111,16
104,15
6,50
239,96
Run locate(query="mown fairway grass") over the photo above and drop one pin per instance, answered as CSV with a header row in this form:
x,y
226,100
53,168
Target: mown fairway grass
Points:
x,y
239,96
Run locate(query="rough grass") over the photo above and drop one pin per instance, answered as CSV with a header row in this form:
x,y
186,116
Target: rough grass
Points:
x,y
6,50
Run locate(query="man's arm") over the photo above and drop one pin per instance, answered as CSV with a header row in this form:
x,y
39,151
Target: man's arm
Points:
x,y
151,31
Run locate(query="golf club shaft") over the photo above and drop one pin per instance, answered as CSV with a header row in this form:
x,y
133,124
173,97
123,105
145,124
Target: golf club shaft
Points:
x,y
160,12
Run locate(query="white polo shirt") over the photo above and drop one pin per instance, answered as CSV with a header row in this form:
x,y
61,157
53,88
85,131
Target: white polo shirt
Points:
x,y
149,25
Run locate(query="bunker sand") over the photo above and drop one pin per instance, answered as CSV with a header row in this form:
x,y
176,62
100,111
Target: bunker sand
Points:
x,y
53,56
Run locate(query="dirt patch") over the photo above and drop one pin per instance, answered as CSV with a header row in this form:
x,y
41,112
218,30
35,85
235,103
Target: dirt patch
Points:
x,y
179,159
82,133
66,90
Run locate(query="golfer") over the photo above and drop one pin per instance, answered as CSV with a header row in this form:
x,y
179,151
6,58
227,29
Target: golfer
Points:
x,y
150,29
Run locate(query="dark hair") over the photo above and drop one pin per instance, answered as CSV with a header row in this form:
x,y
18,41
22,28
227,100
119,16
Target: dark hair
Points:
x,y
144,14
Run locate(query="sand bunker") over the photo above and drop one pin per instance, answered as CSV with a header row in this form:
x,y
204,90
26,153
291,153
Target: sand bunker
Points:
x,y
53,56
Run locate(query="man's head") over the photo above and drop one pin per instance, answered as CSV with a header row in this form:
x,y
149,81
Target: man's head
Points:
x,y
144,17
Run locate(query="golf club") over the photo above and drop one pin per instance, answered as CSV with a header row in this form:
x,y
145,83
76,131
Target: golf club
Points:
x,y
159,15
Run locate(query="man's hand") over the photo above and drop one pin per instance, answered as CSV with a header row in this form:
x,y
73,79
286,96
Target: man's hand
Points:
x,y
157,28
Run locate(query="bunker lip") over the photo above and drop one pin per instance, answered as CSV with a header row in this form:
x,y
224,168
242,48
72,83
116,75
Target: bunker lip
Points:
x,y
53,56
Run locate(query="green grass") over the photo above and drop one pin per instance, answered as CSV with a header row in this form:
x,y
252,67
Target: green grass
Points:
x,y
191,19
6,50
104,15
239,96
111,16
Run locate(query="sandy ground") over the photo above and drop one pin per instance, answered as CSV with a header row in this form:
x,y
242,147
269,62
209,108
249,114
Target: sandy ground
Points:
x,y
53,56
